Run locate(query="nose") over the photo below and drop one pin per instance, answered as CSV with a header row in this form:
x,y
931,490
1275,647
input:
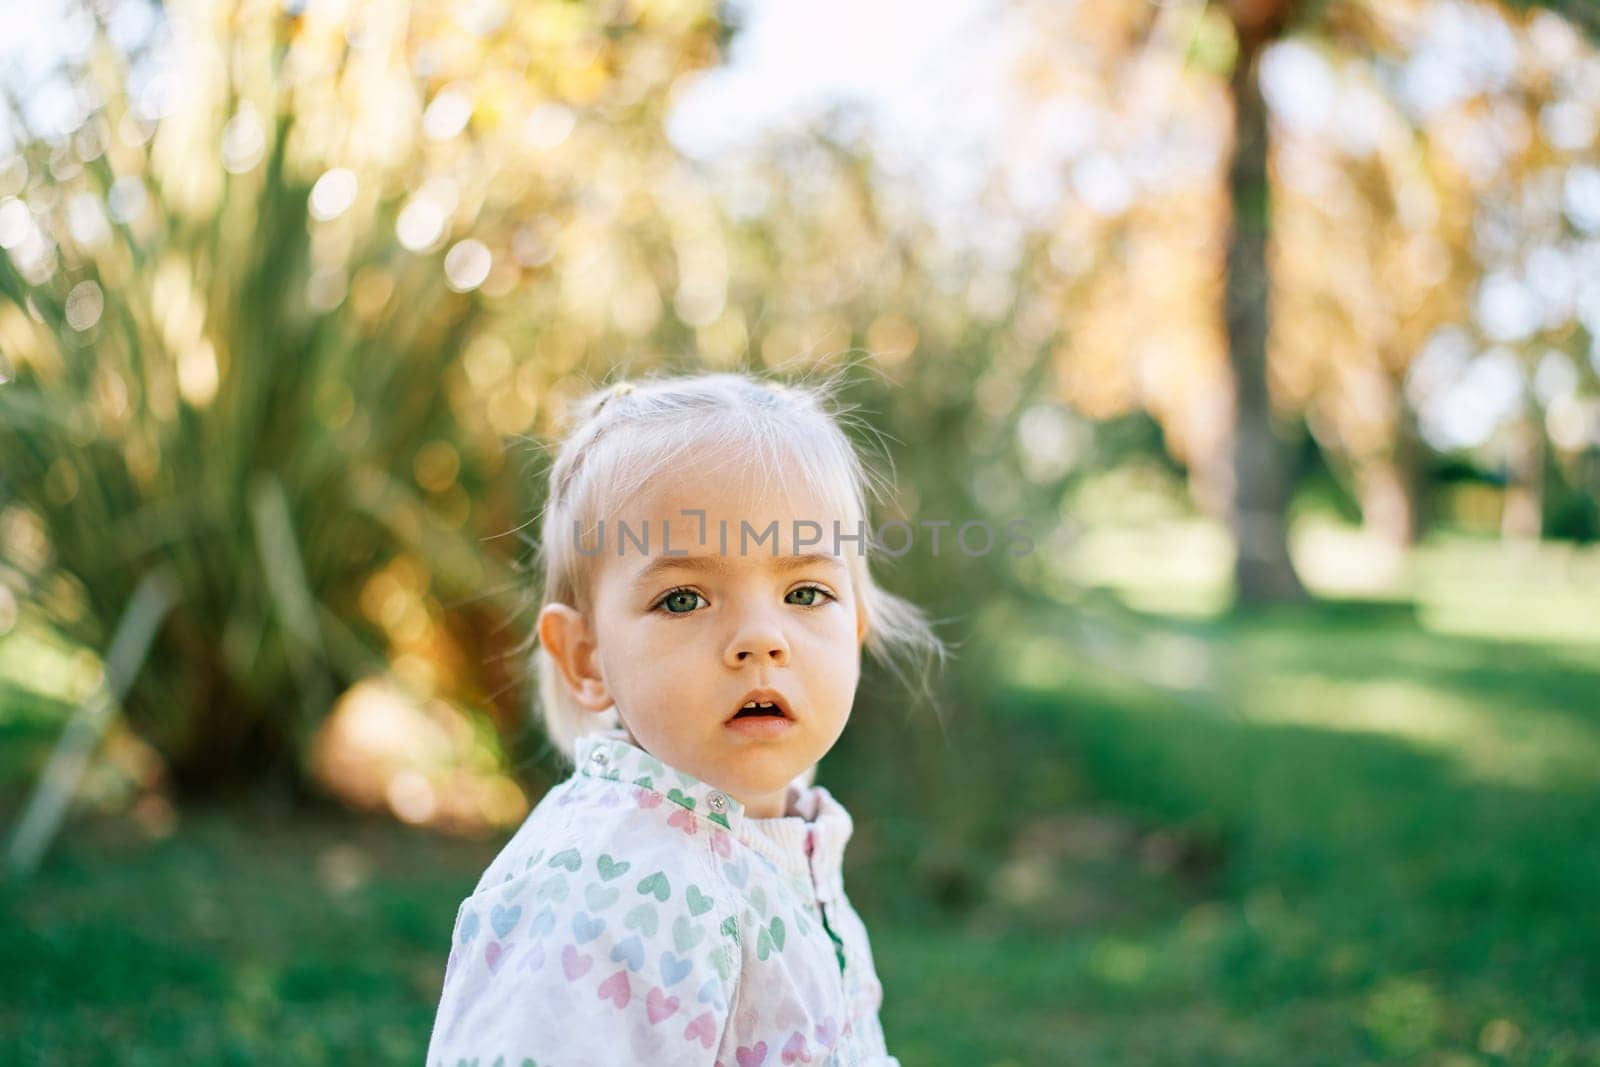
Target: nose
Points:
x,y
758,639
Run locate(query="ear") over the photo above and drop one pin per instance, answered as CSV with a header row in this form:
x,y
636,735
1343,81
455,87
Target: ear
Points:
x,y
861,626
569,638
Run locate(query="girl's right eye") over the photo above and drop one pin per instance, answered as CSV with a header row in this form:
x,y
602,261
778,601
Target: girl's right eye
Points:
x,y
683,598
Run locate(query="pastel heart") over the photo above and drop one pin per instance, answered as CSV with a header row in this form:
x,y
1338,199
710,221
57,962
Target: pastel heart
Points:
x,y
469,927
494,954
644,781
718,817
586,927
722,961
504,920
611,800
642,918
708,992
567,858
758,897
574,965
658,1006
752,1057
763,943
512,887
600,898
825,1031
801,924
631,950
616,989
610,868
646,799
533,959
702,1029
730,927
543,922
553,888
698,902
657,885
677,797
794,1049
776,927
683,821
738,873
650,766
673,968
535,858
720,845
685,934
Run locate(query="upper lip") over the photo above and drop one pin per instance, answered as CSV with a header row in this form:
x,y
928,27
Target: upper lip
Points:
x,y
763,696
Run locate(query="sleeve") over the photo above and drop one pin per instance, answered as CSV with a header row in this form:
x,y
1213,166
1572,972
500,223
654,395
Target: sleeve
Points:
x,y
588,960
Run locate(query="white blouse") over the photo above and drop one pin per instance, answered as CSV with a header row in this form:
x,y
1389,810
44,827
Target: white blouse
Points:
x,y
639,916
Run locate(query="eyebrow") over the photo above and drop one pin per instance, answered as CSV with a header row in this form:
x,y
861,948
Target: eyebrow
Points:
x,y
719,565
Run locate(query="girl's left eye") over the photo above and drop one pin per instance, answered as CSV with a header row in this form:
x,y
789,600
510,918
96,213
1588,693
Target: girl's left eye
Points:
x,y
815,601
679,597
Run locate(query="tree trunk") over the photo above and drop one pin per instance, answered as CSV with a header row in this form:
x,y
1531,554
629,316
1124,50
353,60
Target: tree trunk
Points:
x,y
1523,517
1393,489
1258,515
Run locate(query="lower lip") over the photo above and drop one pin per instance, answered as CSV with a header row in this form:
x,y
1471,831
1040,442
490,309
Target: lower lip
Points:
x,y
760,725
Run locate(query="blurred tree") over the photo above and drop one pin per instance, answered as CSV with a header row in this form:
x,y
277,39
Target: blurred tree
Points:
x,y
1258,510
274,313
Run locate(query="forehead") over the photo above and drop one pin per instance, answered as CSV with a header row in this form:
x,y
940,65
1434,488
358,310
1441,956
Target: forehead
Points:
x,y
732,492
722,522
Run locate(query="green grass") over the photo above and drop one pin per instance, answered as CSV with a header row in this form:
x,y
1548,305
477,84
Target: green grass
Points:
x,y
1383,891
231,941
1319,837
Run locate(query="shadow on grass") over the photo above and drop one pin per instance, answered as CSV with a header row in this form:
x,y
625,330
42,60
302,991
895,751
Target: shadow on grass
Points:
x,y
1361,896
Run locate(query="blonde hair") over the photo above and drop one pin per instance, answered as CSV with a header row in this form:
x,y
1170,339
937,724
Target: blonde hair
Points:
x,y
630,433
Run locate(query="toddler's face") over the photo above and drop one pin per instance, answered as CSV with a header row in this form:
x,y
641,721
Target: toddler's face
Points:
x,y
680,640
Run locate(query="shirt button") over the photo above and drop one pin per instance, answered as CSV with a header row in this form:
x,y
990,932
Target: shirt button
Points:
x,y
599,758
717,802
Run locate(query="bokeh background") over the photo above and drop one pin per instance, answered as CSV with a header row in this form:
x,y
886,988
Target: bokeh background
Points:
x,y
1276,320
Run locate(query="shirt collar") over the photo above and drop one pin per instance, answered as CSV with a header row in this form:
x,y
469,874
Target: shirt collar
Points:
x,y
808,842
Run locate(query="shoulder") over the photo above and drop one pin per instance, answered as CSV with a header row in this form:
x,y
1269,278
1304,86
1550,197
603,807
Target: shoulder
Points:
x,y
597,832
615,918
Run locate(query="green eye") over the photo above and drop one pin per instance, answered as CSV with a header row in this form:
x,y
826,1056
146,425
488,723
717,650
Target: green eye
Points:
x,y
815,601
683,598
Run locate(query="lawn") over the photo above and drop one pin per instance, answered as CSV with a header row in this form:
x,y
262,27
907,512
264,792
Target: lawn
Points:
x,y
1328,836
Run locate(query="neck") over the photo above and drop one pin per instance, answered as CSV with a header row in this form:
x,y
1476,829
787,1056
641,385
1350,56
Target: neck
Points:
x,y
767,806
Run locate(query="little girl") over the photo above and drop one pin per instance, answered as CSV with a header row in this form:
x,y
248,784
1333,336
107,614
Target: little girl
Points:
x,y
678,899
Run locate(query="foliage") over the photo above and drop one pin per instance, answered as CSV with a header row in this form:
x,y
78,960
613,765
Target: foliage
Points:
x,y
274,332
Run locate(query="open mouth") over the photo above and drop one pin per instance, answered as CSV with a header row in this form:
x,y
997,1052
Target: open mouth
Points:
x,y
762,704
760,711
